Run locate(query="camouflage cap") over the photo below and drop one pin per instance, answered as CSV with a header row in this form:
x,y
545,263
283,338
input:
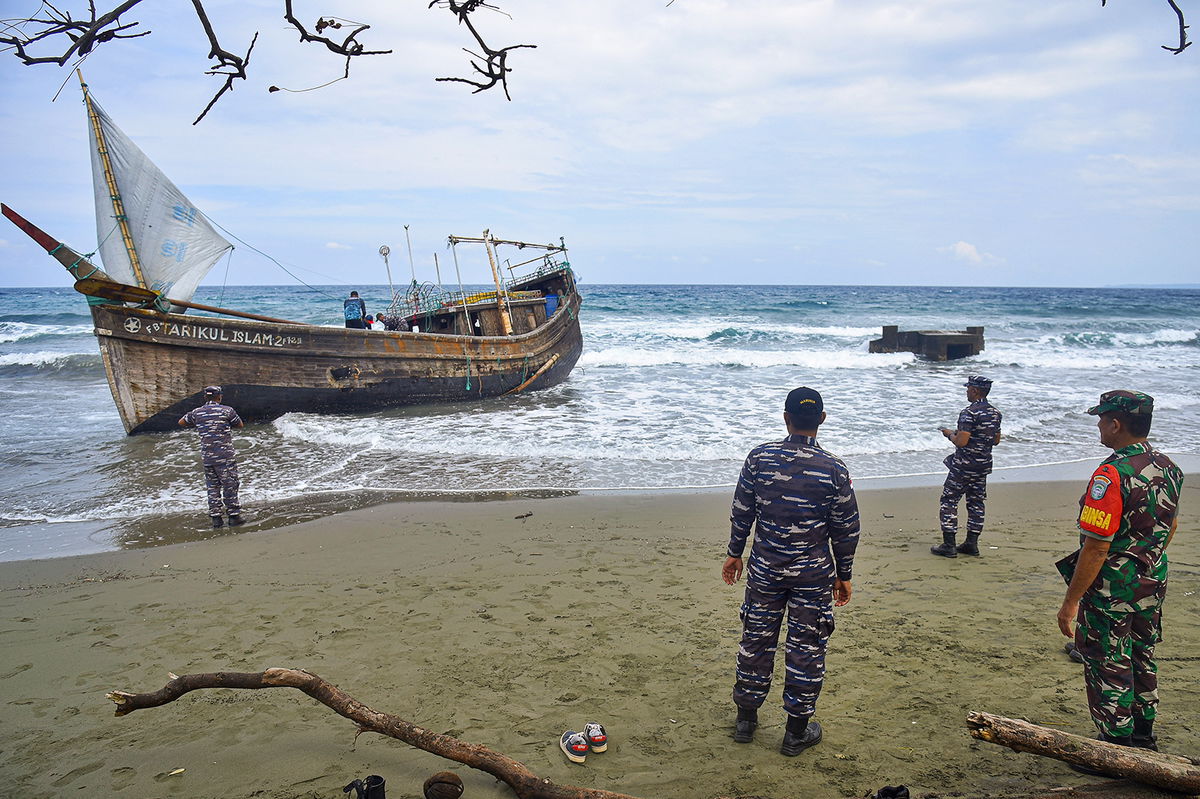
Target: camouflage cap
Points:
x,y
1134,402
212,390
978,381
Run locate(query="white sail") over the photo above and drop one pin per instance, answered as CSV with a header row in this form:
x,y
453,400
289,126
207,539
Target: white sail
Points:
x,y
175,244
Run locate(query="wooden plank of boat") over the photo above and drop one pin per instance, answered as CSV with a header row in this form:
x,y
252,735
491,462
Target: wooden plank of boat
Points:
x,y
123,292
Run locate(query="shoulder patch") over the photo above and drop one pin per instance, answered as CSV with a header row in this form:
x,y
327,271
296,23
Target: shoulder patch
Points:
x,y
1102,504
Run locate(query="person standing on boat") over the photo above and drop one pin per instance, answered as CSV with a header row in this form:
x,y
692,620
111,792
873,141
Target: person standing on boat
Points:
x,y
215,422
1127,517
971,462
355,310
801,504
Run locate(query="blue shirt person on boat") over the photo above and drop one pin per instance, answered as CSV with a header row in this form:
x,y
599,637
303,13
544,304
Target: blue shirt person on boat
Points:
x,y
355,310
215,422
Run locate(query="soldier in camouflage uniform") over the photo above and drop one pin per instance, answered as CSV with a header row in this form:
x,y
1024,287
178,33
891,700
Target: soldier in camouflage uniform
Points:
x,y
214,422
807,529
970,463
1127,518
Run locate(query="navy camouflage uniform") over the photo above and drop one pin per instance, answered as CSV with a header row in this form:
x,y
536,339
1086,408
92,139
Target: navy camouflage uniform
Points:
x,y
214,422
806,533
969,467
1120,615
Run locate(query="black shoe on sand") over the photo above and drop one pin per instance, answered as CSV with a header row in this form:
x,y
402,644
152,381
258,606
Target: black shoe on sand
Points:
x,y
217,521
968,547
945,550
795,744
747,723
236,520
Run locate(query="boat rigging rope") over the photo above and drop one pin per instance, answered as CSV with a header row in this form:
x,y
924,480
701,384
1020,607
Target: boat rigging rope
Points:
x,y
268,257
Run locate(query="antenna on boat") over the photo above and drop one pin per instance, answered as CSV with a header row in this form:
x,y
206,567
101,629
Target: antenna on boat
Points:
x,y
384,251
437,269
462,291
410,258
113,192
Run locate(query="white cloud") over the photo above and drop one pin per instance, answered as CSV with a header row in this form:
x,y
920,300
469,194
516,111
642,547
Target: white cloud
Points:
x,y
970,254
333,245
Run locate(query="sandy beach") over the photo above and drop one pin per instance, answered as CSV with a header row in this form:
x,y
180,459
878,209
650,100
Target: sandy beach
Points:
x,y
506,622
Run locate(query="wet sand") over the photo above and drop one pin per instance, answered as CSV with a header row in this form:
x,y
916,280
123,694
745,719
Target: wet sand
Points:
x,y
504,629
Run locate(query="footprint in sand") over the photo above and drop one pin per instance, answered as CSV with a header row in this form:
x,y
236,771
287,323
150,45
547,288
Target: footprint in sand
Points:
x,y
16,671
74,773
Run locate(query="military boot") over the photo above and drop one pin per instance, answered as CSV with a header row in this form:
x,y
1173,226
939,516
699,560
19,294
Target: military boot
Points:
x,y
800,735
746,724
217,521
946,549
1143,734
970,546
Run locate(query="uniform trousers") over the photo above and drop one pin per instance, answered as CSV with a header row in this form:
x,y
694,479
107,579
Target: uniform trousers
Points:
x,y
221,482
809,611
1118,664
974,486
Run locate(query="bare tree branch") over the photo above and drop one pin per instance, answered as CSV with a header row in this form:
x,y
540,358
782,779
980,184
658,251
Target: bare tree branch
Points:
x,y
83,35
495,69
235,66
1183,42
349,46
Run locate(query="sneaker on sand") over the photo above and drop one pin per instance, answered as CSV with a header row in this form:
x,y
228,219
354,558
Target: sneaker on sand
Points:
x,y
597,738
574,746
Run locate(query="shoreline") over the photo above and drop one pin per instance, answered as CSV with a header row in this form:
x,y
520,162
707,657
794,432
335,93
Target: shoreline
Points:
x,y
43,540
505,629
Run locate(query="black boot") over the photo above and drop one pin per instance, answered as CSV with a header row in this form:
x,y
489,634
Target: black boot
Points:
x,y
746,724
970,546
1123,740
1143,734
217,521
800,735
946,549
236,520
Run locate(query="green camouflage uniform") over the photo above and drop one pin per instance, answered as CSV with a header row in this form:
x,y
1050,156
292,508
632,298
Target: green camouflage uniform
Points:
x,y
1119,619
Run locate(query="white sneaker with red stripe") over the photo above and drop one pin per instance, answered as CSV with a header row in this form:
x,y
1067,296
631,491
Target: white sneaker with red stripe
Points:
x,y
574,746
597,738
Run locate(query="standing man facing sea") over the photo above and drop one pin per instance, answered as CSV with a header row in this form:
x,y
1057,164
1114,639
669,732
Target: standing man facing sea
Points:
x,y
807,530
969,465
355,311
1127,517
214,422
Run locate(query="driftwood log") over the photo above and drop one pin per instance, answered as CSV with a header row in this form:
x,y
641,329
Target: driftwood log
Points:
x,y
515,774
1161,770
1150,768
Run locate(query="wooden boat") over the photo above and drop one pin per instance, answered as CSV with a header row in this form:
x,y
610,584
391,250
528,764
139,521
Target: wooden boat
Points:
x,y
156,247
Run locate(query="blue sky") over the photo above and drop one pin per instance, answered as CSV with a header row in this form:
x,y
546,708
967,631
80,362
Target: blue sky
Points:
x,y
749,141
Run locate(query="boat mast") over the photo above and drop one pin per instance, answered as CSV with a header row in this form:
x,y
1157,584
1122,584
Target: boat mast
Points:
x,y
501,305
113,192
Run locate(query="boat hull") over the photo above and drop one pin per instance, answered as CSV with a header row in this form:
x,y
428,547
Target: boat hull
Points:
x,y
157,364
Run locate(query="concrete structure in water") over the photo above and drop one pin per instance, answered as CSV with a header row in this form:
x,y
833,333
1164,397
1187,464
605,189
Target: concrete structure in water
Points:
x,y
931,345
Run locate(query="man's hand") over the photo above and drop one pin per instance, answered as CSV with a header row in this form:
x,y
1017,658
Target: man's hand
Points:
x,y
1066,617
731,572
841,592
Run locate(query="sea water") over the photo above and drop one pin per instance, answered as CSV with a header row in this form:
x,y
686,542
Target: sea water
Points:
x,y
675,385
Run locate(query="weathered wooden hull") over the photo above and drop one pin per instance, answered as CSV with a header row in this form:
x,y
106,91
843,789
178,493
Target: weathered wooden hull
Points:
x,y
158,364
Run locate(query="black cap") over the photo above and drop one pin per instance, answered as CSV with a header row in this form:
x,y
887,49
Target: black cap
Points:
x,y
804,402
212,391
978,381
